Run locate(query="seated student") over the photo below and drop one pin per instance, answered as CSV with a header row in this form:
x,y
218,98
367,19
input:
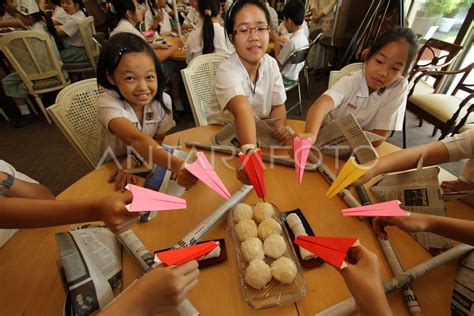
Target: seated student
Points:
x,y
59,15
193,17
210,38
248,85
74,50
375,95
455,148
293,17
133,111
273,15
12,84
283,33
157,17
11,17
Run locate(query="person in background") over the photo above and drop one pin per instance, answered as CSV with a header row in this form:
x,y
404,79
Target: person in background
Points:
x,y
322,20
193,17
74,50
273,15
210,38
293,17
12,18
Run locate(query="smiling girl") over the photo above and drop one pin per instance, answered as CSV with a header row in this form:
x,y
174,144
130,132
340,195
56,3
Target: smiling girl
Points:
x,y
248,85
375,95
134,112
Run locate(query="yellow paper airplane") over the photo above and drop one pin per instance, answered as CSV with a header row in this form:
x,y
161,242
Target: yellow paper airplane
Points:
x,y
349,173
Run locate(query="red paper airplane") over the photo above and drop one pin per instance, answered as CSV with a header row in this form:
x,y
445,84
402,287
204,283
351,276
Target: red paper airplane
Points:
x,y
253,165
390,208
176,257
333,250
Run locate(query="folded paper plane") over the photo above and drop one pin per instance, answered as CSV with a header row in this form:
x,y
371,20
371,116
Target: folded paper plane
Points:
x,y
175,257
333,250
202,169
149,200
301,148
253,166
390,208
349,173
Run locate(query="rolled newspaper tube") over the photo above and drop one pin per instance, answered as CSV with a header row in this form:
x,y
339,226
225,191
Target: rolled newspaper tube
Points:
x,y
297,227
202,228
348,306
234,151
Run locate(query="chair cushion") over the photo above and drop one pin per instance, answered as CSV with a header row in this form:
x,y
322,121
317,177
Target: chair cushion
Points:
x,y
49,82
441,106
423,87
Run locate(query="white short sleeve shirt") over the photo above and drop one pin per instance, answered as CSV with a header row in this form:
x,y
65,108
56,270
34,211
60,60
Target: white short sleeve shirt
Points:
x,y
461,146
194,43
195,17
232,79
110,106
377,110
125,26
71,28
296,40
165,24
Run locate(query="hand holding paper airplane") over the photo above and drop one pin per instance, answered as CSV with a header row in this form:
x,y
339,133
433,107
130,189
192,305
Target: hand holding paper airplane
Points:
x,y
175,257
149,200
390,208
202,169
349,173
253,166
301,148
333,250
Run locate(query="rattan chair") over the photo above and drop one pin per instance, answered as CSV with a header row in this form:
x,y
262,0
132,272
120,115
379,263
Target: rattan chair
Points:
x,y
87,31
335,75
33,57
198,80
75,113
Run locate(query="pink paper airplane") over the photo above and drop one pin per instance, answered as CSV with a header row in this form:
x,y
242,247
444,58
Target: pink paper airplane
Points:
x,y
148,33
390,208
179,256
333,250
301,149
253,165
149,200
203,170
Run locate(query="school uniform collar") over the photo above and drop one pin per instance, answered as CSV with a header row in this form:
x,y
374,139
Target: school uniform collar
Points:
x,y
296,33
363,91
244,70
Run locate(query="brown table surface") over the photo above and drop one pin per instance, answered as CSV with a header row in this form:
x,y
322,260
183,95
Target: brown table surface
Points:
x,y
30,283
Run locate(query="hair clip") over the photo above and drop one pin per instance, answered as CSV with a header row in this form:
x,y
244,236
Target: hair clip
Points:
x,y
122,50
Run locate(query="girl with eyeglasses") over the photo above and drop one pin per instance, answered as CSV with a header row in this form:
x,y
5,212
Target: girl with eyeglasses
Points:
x,y
248,86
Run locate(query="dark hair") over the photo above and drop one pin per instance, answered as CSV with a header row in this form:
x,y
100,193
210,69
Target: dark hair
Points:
x,y
56,2
50,26
2,7
236,7
207,33
294,10
119,11
393,35
81,6
110,56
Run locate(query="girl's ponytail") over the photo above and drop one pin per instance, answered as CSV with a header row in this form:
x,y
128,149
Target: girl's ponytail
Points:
x,y
208,9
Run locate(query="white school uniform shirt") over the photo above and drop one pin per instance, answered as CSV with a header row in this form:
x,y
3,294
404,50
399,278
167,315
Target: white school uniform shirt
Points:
x,y
232,79
194,43
59,15
461,146
297,40
124,26
71,28
373,111
195,17
165,24
110,106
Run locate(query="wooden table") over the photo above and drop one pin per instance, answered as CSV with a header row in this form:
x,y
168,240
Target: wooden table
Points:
x,y
30,283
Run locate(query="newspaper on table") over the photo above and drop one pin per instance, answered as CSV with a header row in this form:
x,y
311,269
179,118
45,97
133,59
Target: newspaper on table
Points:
x,y
227,136
462,301
419,192
164,180
5,235
340,138
92,263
